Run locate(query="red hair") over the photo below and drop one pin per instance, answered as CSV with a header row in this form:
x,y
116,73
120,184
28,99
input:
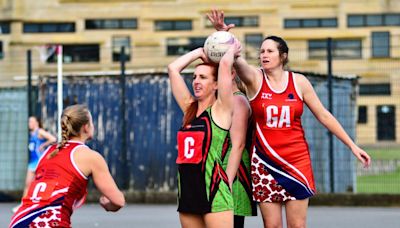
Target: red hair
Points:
x,y
191,110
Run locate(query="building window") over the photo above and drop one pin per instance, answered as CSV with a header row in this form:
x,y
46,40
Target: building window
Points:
x,y
94,24
341,49
380,44
362,114
48,27
117,43
311,23
365,20
1,50
246,21
180,46
375,89
392,19
75,53
173,25
253,43
4,27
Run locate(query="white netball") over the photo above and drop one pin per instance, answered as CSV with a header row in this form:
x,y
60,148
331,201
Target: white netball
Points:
x,y
217,44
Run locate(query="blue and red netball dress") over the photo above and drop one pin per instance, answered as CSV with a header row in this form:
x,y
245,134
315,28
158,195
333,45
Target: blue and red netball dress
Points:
x,y
58,188
281,165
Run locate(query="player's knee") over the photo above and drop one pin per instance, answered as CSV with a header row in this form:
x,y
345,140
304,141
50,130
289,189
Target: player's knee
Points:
x,y
297,224
272,223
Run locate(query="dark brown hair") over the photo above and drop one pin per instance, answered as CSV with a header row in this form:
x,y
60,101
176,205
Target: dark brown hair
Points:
x,y
282,47
191,110
37,120
72,120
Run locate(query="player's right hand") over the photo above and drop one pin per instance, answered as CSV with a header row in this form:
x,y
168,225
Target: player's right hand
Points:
x,y
216,17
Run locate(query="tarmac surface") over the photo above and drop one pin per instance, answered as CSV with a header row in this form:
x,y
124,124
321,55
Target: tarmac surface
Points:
x,y
165,216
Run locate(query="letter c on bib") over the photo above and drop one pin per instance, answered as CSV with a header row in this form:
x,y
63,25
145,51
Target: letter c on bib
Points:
x,y
189,147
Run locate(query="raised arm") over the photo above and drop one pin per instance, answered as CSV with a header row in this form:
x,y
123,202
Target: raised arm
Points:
x,y
328,120
179,89
247,73
237,132
224,104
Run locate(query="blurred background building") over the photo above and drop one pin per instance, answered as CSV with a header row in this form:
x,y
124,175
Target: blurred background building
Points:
x,y
366,41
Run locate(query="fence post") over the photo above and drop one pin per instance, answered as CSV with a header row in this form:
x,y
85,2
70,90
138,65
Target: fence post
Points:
x,y
124,180
330,108
29,74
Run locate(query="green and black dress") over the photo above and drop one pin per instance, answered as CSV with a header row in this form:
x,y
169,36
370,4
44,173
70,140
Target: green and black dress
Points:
x,y
202,182
242,187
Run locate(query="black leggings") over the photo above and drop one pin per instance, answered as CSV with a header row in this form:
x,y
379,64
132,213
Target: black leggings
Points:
x,y
238,221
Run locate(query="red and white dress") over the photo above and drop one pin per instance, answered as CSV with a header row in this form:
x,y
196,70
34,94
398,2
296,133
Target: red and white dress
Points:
x,y
59,187
281,166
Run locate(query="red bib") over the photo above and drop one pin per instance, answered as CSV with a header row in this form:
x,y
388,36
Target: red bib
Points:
x,y
190,147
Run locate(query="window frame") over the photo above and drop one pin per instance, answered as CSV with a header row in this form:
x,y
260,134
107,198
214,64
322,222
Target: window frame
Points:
x,y
69,51
301,23
362,115
321,46
172,25
101,24
40,27
5,27
386,42
116,49
188,44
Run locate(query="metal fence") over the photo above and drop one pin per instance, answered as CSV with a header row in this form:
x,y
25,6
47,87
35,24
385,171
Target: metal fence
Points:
x,y
145,160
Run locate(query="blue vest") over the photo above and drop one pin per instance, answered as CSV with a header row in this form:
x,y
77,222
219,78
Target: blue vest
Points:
x,y
33,146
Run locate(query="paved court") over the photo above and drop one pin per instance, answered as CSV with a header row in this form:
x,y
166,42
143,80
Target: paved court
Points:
x,y
165,216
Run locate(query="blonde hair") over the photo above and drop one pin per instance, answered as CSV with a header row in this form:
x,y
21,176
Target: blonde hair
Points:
x,y
72,120
240,85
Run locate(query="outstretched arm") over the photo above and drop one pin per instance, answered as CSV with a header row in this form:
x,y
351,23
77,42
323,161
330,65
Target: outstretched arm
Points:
x,y
247,73
112,198
179,89
328,120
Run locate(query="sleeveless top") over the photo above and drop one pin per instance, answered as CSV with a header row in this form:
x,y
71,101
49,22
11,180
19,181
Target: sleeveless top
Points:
x,y
279,137
241,186
58,188
33,146
202,182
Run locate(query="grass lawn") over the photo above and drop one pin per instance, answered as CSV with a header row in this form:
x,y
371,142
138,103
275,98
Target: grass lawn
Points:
x,y
384,153
383,183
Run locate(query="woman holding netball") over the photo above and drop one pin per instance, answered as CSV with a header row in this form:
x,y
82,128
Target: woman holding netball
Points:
x,y
204,196
281,166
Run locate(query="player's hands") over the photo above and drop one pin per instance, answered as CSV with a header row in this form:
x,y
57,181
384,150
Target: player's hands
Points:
x,y
362,156
216,17
107,204
237,47
203,55
42,147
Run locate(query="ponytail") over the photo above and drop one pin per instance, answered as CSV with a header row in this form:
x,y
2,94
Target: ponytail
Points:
x,y
72,120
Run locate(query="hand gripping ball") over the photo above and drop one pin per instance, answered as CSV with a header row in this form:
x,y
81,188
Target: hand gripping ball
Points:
x,y
217,44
